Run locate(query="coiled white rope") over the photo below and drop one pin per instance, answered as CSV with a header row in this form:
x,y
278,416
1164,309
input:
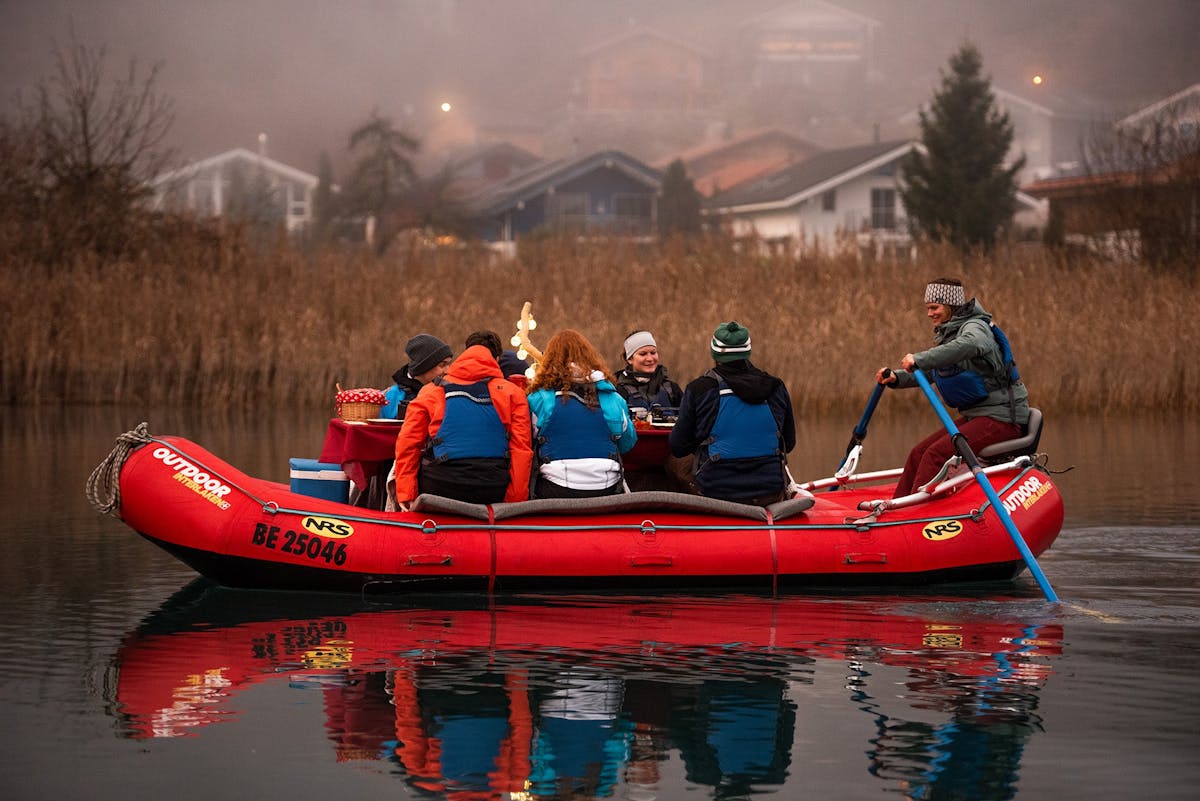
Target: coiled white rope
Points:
x,y
104,484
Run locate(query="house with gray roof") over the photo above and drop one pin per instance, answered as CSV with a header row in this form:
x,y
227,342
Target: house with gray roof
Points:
x,y
239,180
831,193
834,197
607,191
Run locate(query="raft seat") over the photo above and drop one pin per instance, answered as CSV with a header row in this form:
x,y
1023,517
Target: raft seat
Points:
x,y
1024,445
612,504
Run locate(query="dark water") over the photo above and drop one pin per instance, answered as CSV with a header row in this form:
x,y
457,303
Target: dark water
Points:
x,y
123,677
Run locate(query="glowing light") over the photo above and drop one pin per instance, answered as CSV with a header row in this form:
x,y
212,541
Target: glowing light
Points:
x,y
446,106
1037,80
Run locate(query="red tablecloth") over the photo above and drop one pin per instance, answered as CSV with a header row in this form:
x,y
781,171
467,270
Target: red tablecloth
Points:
x,y
650,452
360,448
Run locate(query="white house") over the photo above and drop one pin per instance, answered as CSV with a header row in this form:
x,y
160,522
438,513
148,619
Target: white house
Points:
x,y
1048,131
1180,111
821,200
213,186
849,196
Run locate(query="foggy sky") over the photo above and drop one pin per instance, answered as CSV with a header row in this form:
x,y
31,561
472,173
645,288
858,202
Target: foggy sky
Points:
x,y
308,72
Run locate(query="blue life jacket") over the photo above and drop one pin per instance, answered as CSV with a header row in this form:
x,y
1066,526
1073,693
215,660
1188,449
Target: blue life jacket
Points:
x,y
471,427
576,431
662,399
962,388
742,430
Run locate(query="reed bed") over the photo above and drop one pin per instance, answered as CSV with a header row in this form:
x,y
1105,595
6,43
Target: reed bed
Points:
x,y
229,326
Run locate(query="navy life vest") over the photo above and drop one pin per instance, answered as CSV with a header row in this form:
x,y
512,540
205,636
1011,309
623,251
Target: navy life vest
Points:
x,y
471,426
963,388
576,431
637,400
742,430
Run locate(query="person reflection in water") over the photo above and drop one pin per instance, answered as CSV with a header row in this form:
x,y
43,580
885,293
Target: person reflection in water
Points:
x,y
468,733
466,739
737,736
580,740
977,752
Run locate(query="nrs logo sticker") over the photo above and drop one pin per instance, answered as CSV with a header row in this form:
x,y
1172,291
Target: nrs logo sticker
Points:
x,y
327,527
942,530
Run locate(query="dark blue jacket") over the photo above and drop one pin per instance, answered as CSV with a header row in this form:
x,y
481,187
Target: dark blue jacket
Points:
x,y
735,479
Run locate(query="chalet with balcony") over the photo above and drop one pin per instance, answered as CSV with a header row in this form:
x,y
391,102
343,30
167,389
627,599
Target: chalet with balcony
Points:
x,y
641,71
604,192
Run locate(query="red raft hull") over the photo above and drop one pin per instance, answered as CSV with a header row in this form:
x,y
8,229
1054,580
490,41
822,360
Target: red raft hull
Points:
x,y
242,531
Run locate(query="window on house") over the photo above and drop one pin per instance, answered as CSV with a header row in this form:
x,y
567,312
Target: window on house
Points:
x,y
630,205
883,209
829,200
567,204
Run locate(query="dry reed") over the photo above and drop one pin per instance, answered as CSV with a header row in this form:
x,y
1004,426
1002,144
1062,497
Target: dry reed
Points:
x,y
231,326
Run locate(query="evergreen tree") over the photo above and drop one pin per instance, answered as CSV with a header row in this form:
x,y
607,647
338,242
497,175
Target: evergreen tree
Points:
x,y
679,206
959,190
383,171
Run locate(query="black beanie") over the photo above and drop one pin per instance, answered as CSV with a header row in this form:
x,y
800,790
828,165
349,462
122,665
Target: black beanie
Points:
x,y
425,352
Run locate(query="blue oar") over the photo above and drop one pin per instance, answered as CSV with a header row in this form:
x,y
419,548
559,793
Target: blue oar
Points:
x,y
860,430
849,461
964,450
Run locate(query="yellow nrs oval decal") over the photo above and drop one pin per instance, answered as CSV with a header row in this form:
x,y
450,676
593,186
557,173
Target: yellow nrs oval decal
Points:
x,y
331,656
942,530
327,527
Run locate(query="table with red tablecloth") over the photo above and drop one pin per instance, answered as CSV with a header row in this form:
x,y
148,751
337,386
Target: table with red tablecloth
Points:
x,y
650,452
361,448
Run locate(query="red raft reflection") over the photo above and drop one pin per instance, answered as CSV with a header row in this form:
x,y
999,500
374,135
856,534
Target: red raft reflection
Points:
x,y
526,694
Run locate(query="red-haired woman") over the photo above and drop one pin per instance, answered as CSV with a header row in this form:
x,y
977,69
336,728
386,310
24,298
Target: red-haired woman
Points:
x,y
581,423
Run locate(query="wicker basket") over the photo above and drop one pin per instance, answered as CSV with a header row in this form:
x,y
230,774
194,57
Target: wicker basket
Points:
x,y
358,404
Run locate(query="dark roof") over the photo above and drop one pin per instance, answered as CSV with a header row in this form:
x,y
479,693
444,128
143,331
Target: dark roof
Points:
x,y
808,14
473,153
715,150
816,173
640,32
534,181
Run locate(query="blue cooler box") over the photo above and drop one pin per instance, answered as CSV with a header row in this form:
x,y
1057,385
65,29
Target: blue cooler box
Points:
x,y
320,480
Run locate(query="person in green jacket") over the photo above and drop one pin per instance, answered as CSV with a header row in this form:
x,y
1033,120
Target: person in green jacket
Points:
x,y
972,366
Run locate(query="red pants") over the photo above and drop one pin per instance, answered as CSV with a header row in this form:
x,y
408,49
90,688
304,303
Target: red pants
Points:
x,y
927,456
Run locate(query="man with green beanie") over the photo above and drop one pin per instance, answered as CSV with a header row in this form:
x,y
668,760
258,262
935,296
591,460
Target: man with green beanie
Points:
x,y
737,421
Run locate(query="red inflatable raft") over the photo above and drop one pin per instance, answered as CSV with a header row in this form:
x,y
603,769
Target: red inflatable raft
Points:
x,y
242,531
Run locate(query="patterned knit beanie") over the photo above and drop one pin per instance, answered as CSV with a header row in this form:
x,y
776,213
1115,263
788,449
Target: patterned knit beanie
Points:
x,y
730,342
945,294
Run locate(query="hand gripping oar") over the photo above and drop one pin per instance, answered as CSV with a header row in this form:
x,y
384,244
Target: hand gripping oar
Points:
x,y
849,462
964,450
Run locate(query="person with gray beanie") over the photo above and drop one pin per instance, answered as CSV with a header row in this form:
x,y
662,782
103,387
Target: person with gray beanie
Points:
x,y
643,382
737,422
428,358
972,364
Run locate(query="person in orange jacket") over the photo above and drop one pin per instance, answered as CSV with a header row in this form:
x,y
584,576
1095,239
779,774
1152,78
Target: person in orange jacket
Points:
x,y
466,435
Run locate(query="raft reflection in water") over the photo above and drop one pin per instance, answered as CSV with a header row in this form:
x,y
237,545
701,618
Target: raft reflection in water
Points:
x,y
569,698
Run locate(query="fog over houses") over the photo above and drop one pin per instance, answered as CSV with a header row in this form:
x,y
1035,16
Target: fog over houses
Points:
x,y
739,90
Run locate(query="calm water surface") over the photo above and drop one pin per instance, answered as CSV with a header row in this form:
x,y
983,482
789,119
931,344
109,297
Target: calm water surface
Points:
x,y
123,676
